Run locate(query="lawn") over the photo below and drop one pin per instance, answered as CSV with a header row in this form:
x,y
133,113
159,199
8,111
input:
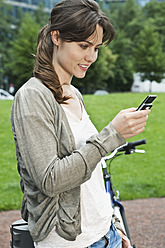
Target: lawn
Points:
x,y
136,176
10,194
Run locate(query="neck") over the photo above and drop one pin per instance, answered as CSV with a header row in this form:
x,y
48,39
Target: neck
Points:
x,y
64,77
68,90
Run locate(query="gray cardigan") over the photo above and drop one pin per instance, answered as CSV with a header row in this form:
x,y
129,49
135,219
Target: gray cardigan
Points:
x,y
50,167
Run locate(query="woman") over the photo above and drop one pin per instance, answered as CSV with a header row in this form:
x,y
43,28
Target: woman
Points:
x,y
58,148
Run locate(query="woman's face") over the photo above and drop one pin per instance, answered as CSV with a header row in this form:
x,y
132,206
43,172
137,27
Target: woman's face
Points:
x,y
74,58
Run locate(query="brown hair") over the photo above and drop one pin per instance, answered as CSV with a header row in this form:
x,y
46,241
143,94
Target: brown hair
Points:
x,y
75,20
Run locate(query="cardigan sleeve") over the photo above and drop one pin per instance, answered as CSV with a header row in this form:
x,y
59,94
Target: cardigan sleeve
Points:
x,y
40,139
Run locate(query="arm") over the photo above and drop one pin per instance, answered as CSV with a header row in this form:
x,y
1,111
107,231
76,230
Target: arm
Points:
x,y
40,135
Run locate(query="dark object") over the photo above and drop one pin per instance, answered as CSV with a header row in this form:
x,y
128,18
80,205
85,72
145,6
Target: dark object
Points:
x,y
147,103
20,235
130,147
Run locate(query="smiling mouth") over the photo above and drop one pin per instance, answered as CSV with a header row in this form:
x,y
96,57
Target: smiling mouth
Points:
x,y
84,67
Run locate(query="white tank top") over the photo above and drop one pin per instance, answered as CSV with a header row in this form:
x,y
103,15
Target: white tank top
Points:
x,y
96,210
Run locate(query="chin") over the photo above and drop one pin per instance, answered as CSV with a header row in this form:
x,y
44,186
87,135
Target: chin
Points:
x,y
80,76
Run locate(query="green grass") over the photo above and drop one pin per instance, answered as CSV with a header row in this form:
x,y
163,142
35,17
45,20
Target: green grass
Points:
x,y
10,194
136,176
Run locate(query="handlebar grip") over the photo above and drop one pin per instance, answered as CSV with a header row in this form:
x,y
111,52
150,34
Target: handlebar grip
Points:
x,y
131,145
137,143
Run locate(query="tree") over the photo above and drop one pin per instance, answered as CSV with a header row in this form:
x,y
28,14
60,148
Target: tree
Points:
x,y
127,17
149,58
156,11
41,16
22,41
123,74
6,34
128,21
22,50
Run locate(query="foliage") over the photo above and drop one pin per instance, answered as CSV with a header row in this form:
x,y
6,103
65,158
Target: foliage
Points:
x,y
148,54
123,74
132,22
156,11
23,50
116,64
18,39
6,32
127,17
40,16
136,176
5,23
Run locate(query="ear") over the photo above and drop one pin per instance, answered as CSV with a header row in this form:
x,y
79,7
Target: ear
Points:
x,y
55,37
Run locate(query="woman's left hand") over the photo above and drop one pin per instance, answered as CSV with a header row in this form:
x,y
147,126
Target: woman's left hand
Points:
x,y
125,241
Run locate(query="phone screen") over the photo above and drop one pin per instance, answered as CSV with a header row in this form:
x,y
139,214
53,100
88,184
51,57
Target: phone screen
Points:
x,y
147,103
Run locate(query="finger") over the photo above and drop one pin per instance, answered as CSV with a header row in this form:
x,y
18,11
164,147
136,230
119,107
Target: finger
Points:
x,y
138,126
134,115
140,130
128,110
126,242
138,122
139,114
134,124
131,109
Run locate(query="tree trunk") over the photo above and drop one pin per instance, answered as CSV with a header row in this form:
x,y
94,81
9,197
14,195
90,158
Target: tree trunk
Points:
x,y
150,89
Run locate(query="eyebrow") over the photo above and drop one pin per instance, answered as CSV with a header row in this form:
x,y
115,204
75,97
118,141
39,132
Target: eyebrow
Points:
x,y
90,43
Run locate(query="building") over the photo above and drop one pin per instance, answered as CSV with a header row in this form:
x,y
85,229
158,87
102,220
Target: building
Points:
x,y
30,5
108,2
147,86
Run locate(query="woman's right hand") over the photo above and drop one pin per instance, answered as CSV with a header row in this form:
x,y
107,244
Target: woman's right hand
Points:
x,y
130,122
125,241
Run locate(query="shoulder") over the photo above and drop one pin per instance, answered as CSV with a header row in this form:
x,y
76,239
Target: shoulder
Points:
x,y
34,91
33,85
34,98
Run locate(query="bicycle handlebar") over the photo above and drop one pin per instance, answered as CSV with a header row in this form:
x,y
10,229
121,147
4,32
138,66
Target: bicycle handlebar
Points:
x,y
131,145
128,148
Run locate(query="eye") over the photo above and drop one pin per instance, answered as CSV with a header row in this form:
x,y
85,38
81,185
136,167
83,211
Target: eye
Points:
x,y
83,46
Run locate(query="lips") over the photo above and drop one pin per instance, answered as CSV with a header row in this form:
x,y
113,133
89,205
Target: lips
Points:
x,y
83,67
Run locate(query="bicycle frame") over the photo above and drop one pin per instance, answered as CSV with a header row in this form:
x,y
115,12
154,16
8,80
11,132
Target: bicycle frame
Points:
x,y
116,204
118,208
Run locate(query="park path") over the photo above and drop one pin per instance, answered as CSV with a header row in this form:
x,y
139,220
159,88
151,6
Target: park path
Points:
x,y
146,219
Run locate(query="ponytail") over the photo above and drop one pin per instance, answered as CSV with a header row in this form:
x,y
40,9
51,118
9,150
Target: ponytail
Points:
x,y
44,69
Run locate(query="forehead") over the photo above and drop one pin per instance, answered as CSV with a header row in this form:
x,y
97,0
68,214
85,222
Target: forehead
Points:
x,y
97,36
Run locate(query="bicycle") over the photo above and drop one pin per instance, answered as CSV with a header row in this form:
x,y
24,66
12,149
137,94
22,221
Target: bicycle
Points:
x,y
20,236
118,208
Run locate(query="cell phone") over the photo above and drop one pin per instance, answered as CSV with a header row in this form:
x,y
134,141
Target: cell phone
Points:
x,y
147,103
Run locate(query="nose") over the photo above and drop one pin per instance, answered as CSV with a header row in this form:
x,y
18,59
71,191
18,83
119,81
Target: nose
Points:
x,y
91,56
